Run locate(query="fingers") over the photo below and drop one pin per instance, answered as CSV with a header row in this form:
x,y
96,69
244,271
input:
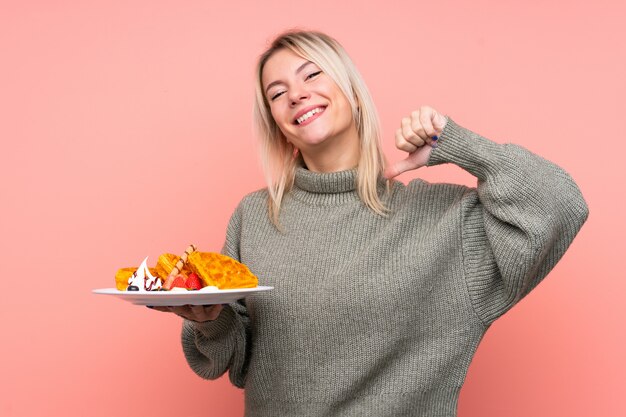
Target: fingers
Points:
x,y
419,129
160,308
213,312
415,160
181,311
206,313
198,313
425,120
412,132
402,143
422,128
398,168
439,123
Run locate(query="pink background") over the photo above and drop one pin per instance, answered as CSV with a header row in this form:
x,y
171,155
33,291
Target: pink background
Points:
x,y
126,132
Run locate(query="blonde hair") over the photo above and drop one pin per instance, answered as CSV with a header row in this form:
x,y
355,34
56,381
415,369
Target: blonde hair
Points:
x,y
280,158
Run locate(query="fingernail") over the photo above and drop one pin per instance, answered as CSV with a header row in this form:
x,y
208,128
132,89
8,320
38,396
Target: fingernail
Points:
x,y
435,138
434,145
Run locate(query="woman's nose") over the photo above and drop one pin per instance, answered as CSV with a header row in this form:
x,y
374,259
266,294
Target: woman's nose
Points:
x,y
298,94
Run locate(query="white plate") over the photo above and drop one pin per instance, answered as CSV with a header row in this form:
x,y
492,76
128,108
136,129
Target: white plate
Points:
x,y
179,298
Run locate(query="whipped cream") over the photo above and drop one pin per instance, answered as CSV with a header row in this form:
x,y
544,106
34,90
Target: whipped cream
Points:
x,y
143,279
208,288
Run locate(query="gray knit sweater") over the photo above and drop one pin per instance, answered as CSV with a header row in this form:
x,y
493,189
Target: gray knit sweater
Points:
x,y
380,316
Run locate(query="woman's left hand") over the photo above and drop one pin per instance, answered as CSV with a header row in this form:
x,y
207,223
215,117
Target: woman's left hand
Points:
x,y
416,136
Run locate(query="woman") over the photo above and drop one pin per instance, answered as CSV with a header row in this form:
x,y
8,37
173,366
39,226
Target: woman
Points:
x,y
382,291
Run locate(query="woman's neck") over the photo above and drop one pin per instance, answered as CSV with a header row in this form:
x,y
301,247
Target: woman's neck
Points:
x,y
333,156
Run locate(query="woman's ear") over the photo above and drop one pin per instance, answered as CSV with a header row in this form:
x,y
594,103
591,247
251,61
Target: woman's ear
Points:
x,y
358,105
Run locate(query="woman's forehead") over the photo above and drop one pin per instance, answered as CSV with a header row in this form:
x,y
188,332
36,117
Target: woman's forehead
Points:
x,y
282,63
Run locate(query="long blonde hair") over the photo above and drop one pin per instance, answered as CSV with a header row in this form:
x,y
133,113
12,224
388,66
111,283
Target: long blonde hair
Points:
x,y
280,158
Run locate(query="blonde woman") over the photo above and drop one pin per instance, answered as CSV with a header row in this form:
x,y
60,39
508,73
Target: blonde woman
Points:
x,y
382,290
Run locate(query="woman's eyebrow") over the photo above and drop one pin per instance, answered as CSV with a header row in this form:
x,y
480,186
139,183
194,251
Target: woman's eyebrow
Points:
x,y
299,69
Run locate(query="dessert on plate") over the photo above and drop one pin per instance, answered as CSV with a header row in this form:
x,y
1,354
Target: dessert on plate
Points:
x,y
191,271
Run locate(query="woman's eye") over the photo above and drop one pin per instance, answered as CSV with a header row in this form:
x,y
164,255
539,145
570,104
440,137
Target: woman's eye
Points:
x,y
275,96
313,75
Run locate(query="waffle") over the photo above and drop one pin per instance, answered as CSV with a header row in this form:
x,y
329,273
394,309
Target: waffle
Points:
x,y
166,263
221,271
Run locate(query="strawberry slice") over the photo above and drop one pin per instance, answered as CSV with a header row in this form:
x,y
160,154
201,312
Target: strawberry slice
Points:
x,y
179,281
169,282
193,282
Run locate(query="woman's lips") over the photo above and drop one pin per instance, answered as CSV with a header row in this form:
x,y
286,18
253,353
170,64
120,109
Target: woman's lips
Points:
x,y
309,115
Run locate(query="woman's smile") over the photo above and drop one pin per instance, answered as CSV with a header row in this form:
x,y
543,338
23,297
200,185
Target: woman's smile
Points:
x,y
306,116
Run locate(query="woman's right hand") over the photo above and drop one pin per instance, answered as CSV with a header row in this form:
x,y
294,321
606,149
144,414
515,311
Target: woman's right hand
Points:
x,y
199,314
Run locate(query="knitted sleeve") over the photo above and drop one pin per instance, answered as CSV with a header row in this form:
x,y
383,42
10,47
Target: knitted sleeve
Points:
x,y
213,347
517,223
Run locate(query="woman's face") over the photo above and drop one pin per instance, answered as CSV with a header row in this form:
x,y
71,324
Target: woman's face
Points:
x,y
308,106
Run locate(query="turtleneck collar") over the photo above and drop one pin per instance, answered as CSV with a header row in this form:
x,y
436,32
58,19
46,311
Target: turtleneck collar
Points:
x,y
326,188
329,188
325,182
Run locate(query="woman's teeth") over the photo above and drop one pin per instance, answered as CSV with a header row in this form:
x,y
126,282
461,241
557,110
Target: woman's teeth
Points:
x,y
305,116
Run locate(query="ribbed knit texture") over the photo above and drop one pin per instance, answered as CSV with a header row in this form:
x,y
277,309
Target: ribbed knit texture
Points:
x,y
380,316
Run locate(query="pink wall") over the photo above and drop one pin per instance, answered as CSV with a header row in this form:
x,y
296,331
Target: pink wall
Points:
x,y
126,132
